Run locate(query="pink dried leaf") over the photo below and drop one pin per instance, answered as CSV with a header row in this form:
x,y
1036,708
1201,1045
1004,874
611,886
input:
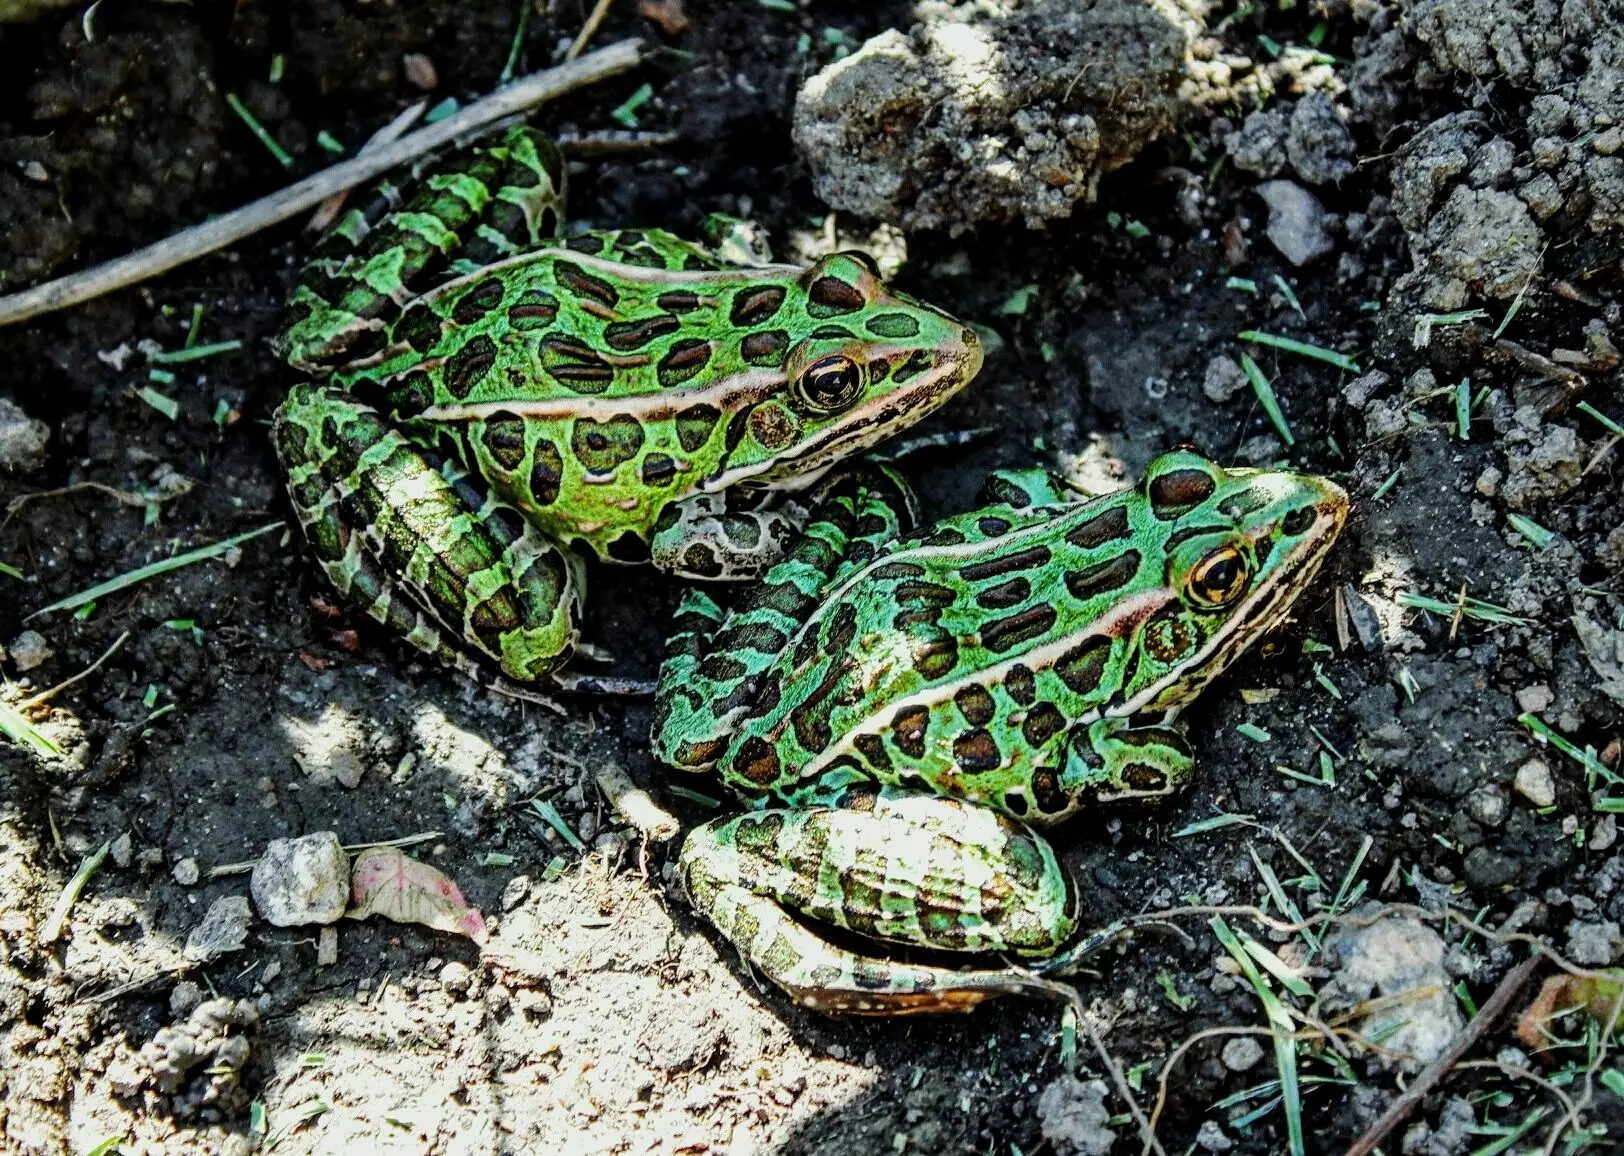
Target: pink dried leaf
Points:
x,y
386,882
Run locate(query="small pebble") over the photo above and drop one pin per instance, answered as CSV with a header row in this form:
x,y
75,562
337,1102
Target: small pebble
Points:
x,y
327,947
1488,804
1533,699
1224,379
22,438
516,891
1242,1054
185,872
456,977
183,997
30,650
1604,834
420,71
1210,1137
1296,221
1535,783
300,881
122,850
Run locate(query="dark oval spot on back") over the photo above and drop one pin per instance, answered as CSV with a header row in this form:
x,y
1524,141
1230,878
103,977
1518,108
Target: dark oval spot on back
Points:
x,y
695,425
1005,594
1109,575
975,704
755,303
1042,723
469,364
1106,526
908,730
535,309
1001,634
419,327
1082,667
766,348
830,295
628,336
1179,491
579,281
659,470
546,473
683,361
478,301
893,325
678,301
976,751
503,439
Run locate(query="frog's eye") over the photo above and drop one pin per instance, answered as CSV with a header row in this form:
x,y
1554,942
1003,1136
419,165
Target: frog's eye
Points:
x,y
1219,578
830,384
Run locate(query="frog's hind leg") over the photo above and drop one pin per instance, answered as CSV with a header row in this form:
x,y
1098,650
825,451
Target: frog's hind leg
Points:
x,y
713,661
493,200
917,870
420,549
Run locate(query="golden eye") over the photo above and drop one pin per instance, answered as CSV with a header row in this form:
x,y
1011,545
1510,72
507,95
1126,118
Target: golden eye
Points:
x,y
830,384
1219,578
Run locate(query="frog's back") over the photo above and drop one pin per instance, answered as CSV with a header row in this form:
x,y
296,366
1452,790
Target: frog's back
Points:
x,y
606,315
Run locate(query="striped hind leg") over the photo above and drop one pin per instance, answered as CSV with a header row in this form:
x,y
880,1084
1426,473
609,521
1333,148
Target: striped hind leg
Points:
x,y
490,201
904,868
421,550
713,659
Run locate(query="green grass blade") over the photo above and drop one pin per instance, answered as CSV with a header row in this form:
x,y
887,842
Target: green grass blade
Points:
x,y
1285,1043
1266,398
135,577
22,732
1301,348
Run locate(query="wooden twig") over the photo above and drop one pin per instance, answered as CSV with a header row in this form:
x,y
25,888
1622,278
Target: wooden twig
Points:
x,y
189,244
589,29
636,805
1146,1132
46,696
1488,1015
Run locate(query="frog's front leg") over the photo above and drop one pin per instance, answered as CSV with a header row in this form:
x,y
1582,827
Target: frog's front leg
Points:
x,y
421,549
1110,761
706,539
918,870
712,662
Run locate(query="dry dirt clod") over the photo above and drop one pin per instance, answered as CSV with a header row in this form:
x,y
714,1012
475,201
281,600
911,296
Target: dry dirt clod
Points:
x,y
224,929
1535,783
22,438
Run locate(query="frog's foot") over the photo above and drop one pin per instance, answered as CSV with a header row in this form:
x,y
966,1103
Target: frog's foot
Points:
x,y
702,538
916,870
708,678
420,549
493,201
1110,761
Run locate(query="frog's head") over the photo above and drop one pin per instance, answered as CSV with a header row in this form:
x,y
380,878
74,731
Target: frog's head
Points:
x,y
1236,547
863,363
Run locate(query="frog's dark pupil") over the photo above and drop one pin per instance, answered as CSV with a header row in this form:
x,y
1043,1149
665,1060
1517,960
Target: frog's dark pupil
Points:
x,y
1221,578
832,382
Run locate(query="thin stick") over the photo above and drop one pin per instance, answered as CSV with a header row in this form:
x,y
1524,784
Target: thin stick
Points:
x,y
590,28
189,244
1493,1008
1146,1132
46,696
636,805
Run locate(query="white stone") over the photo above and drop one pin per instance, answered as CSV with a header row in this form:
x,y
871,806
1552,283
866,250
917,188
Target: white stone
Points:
x,y
1242,1054
301,881
1535,783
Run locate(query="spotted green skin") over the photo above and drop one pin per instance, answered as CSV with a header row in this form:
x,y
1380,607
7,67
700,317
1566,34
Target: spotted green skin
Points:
x,y
494,404
901,708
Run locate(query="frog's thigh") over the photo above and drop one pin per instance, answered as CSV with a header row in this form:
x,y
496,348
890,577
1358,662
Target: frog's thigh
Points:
x,y
413,551
1110,762
701,538
916,870
688,730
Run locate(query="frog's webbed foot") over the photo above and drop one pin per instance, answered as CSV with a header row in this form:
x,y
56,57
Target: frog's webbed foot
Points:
x,y
916,870
1110,761
424,550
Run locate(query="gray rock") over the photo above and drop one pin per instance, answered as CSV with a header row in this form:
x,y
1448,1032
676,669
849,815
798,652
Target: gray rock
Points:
x,y
1210,1137
30,650
1319,145
1487,869
1242,1053
1488,804
1593,944
224,929
992,114
1072,1116
1296,221
1482,243
1543,462
1535,783
1259,145
22,439
1397,957
301,881
1224,378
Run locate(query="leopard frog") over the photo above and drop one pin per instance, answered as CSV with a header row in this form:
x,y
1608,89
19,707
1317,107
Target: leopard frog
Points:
x,y
901,710
493,403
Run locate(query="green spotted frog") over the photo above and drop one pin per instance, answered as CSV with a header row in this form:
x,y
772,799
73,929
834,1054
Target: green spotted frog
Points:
x,y
901,709
493,403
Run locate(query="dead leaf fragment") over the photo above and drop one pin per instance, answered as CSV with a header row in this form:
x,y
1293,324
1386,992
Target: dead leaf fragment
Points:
x,y
668,14
386,882
1561,994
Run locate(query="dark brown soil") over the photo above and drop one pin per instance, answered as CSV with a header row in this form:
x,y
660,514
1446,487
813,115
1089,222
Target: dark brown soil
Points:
x,y
615,1022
